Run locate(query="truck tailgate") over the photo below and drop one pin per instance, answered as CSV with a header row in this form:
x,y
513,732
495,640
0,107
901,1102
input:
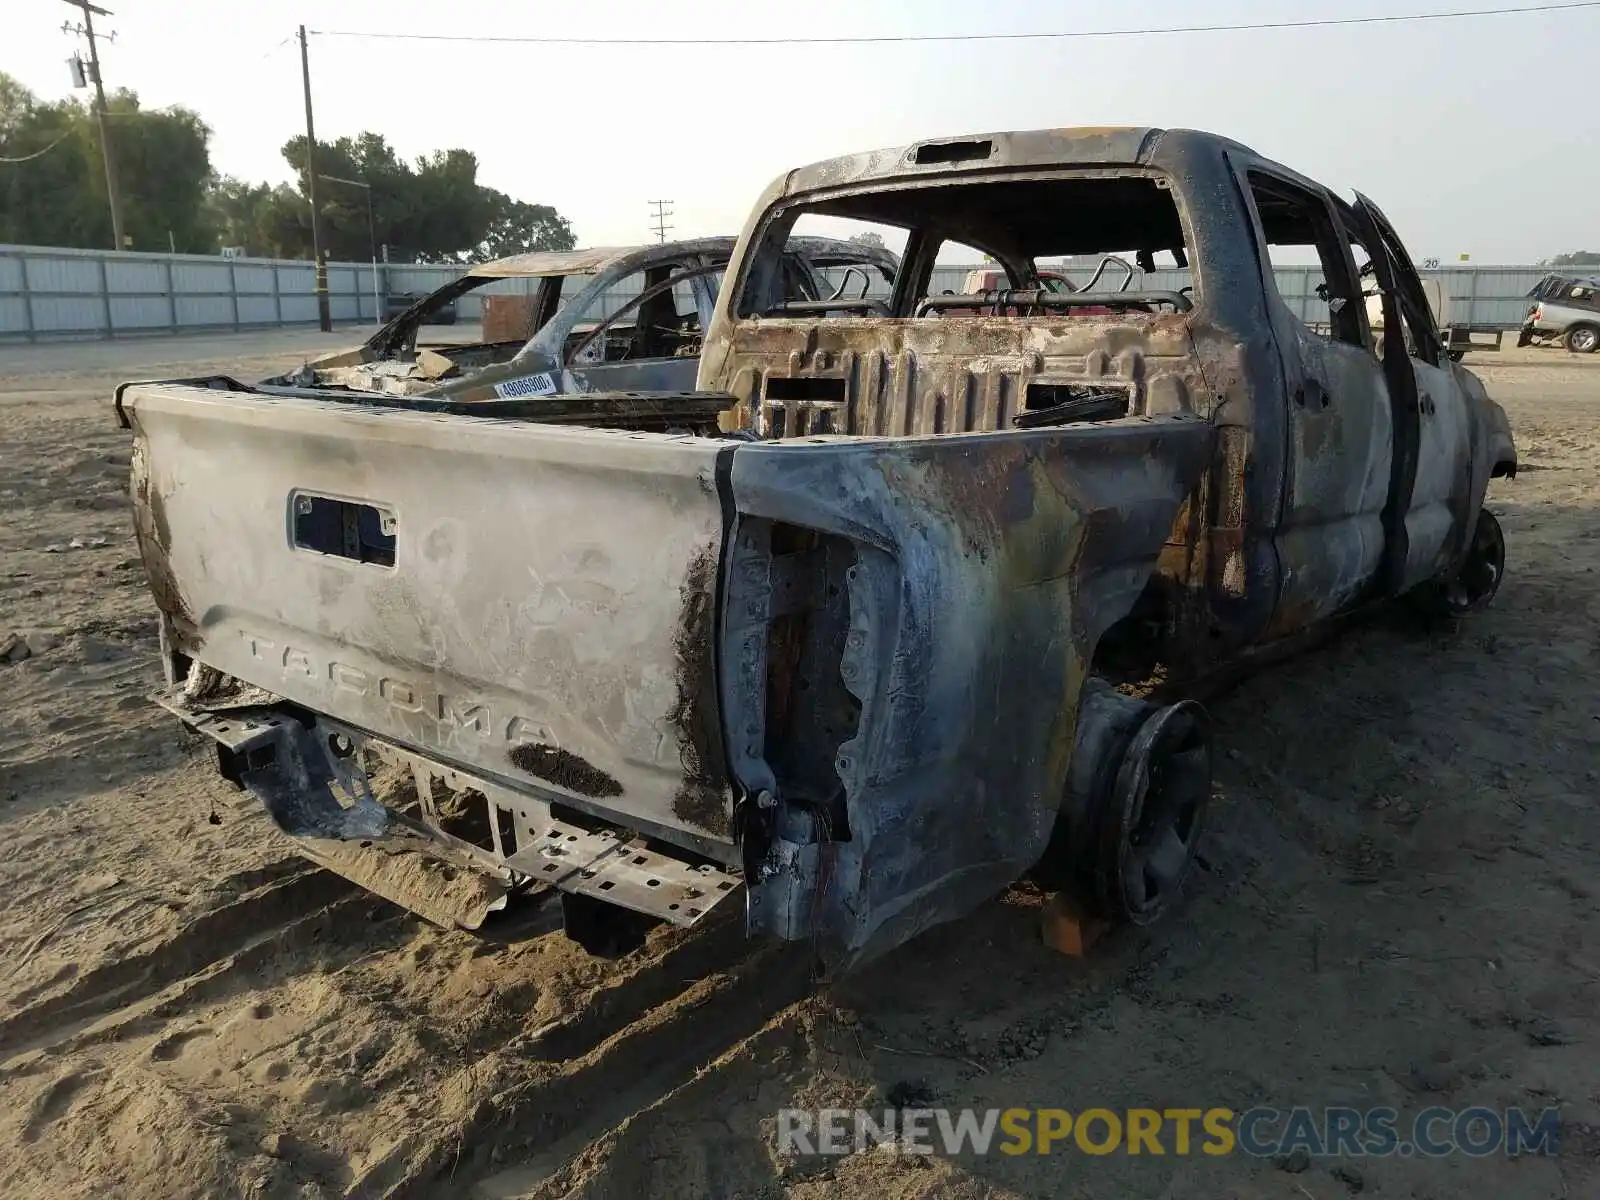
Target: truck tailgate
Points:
x,y
531,602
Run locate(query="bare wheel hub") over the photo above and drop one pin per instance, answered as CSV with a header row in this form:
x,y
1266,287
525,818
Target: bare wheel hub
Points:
x,y
1475,584
1154,815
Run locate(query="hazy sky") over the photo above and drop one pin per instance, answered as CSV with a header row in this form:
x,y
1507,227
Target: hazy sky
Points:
x,y
1476,136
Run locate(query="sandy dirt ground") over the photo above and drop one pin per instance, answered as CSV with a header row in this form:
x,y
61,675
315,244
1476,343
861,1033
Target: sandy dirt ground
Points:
x,y
1397,907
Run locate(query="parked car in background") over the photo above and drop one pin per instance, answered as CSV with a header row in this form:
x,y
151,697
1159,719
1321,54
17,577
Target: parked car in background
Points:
x,y
577,337
398,302
1566,308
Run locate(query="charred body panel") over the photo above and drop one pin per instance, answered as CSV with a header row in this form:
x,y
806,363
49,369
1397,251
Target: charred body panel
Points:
x,y
528,613
978,574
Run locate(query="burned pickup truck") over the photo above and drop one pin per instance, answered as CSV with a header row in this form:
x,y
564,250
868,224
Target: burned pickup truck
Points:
x,y
854,641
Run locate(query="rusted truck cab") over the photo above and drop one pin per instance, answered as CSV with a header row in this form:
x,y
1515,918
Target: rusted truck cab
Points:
x,y
1344,467
846,631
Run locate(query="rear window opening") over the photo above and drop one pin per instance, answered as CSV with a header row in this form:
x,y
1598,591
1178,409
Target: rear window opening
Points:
x,y
966,246
1060,403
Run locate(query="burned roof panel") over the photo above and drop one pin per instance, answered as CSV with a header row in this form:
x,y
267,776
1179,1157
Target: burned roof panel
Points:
x,y
602,258
1043,147
551,262
595,260
1089,146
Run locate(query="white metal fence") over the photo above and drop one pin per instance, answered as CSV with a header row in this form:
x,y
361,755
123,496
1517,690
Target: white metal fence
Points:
x,y
52,292
49,293
1480,297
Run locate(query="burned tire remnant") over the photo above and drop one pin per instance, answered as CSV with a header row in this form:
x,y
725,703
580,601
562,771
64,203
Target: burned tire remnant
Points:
x,y
700,801
1475,582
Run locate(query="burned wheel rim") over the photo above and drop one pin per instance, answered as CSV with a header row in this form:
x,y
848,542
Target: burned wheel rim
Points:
x,y
1475,584
1156,814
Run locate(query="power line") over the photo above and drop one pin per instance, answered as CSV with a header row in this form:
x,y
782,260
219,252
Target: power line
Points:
x,y
279,46
1241,27
38,153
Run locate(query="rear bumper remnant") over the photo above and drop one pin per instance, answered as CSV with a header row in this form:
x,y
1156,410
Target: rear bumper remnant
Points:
x,y
308,774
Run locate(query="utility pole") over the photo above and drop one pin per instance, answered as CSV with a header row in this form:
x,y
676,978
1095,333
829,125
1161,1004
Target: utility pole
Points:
x,y
658,218
113,193
324,317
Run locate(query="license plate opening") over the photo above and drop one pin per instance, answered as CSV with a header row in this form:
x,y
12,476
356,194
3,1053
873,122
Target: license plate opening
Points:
x,y
350,529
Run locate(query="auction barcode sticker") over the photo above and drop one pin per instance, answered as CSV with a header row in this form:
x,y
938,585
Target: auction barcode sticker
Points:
x,y
526,385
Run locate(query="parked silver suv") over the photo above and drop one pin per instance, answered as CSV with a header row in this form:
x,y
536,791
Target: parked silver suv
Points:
x,y
1565,309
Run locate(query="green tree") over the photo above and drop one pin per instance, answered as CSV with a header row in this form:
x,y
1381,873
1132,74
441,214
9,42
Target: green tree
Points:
x,y
42,195
433,210
517,227
163,163
430,210
1575,258
59,197
236,213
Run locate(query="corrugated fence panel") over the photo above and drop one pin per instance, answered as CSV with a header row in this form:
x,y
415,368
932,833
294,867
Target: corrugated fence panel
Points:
x,y
253,278
299,310
69,276
136,278
207,277
297,279
69,314
49,292
259,310
205,311
140,312
1492,296
420,280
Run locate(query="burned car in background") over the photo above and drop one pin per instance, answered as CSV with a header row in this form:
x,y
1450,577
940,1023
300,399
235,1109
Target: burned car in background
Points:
x,y
576,333
397,303
862,640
